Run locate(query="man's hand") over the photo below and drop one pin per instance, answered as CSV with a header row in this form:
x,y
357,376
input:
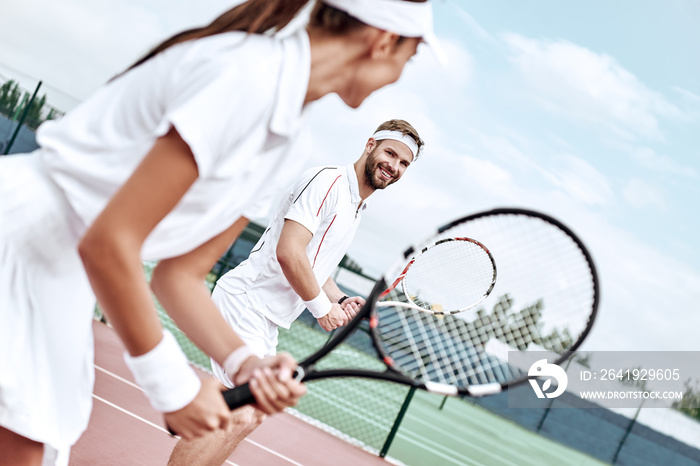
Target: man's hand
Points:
x,y
337,317
352,305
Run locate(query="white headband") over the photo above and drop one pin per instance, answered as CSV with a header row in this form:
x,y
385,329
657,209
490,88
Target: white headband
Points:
x,y
408,19
397,136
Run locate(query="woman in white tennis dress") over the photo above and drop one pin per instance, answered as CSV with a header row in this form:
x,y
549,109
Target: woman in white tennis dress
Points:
x,y
162,163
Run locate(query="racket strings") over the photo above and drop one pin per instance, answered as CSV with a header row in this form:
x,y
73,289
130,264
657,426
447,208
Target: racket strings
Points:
x,y
431,349
450,276
544,299
539,263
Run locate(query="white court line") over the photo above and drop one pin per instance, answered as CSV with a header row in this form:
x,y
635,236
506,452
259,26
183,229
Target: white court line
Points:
x,y
121,379
131,384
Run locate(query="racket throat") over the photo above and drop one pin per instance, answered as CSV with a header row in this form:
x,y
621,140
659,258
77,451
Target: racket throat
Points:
x,y
300,373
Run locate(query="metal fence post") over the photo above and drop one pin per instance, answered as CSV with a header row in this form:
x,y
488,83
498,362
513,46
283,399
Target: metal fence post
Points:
x,y
627,433
397,422
21,120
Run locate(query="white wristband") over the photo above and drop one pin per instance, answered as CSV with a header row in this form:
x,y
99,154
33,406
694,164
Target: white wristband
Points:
x,y
319,306
165,375
235,360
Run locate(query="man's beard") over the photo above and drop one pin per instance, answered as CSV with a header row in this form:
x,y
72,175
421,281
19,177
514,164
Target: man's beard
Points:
x,y
371,165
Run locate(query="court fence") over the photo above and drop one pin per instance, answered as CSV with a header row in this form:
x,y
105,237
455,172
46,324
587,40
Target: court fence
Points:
x,y
22,110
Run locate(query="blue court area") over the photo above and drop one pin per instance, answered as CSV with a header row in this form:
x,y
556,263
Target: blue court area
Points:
x,y
460,433
24,139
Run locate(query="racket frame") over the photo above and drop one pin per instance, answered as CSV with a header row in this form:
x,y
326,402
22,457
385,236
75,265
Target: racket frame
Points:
x,y
401,279
242,395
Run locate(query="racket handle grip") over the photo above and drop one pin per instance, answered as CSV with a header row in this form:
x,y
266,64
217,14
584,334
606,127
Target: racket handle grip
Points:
x,y
239,396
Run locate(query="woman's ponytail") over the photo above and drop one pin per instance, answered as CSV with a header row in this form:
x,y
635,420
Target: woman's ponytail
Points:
x,y
253,16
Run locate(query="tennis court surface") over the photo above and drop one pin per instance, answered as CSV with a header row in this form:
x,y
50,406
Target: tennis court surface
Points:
x,y
125,430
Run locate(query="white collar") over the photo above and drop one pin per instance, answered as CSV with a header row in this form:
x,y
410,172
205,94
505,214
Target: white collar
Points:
x,y
354,185
293,84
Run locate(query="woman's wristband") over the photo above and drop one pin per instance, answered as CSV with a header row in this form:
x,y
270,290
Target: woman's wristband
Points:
x,y
340,301
235,360
319,306
165,375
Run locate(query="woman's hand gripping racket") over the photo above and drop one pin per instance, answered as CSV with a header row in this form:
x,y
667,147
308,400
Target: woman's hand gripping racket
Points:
x,y
546,298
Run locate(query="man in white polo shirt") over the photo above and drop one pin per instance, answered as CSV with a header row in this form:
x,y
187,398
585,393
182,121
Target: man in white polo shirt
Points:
x,y
290,267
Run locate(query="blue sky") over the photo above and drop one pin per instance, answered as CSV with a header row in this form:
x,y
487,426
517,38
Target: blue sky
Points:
x,y
588,111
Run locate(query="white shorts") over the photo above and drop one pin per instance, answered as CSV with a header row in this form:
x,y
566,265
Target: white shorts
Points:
x,y
256,330
46,307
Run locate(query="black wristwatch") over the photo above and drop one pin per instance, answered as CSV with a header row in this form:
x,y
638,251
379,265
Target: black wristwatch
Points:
x,y
340,301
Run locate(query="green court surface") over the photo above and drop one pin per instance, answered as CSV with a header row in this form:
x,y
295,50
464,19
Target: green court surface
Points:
x,y
464,434
460,433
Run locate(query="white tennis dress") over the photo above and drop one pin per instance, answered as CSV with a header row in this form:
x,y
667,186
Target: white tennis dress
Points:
x,y
237,101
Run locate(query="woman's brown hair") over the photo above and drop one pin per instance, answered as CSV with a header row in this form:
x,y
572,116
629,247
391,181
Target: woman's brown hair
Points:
x,y
260,16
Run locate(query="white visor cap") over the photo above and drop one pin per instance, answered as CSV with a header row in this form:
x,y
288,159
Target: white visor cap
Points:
x,y
408,19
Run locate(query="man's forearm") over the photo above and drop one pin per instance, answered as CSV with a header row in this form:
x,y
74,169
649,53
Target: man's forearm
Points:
x,y
298,272
332,291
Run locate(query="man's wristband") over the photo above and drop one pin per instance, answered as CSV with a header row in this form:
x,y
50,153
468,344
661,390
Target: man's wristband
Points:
x,y
340,301
165,375
235,360
319,306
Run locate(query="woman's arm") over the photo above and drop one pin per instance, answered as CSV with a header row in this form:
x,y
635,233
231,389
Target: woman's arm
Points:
x,y
110,250
179,285
111,253
111,247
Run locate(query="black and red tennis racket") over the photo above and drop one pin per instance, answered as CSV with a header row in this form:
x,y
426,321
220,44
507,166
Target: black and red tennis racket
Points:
x,y
450,325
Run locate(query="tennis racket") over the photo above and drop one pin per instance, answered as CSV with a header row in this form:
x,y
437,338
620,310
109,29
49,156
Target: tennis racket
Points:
x,y
446,277
546,298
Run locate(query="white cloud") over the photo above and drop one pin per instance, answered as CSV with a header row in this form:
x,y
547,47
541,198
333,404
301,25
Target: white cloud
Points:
x,y
472,24
661,163
688,95
91,42
571,80
581,180
77,45
640,194
504,149
648,298
441,85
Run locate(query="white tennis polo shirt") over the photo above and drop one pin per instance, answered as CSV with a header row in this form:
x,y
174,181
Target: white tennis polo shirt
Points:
x,y
326,201
236,99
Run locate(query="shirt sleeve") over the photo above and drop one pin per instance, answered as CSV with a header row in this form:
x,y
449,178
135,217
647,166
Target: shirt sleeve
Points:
x,y
214,98
316,198
283,177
